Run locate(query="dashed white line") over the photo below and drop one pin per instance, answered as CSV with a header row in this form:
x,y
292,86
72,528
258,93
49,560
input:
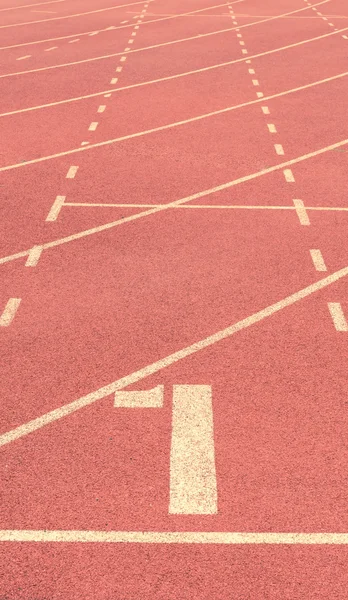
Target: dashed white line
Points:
x,y
119,69
101,108
241,43
71,173
251,71
114,80
265,110
338,317
123,58
107,95
33,257
318,260
255,82
55,209
84,143
289,177
52,48
271,128
301,210
279,149
244,51
24,57
73,41
9,312
93,126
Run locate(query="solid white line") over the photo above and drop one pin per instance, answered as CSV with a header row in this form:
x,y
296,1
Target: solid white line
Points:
x,y
30,5
301,211
71,173
176,42
289,176
172,537
271,128
169,360
279,149
193,488
34,255
9,312
93,126
318,260
55,209
140,399
338,317
91,12
24,57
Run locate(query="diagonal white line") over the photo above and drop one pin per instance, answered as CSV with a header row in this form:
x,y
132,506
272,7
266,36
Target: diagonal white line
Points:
x,y
31,5
157,366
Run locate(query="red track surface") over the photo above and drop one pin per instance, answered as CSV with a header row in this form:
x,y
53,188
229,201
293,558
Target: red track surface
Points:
x,y
225,104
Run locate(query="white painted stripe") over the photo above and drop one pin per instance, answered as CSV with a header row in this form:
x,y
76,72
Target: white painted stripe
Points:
x,y
31,5
130,42
318,260
73,41
259,94
93,126
193,488
84,143
24,57
72,172
173,537
93,33
244,51
251,71
126,49
338,317
289,176
101,108
345,37
239,35
123,58
241,43
279,149
142,399
107,95
301,211
265,110
171,359
114,80
119,69
34,256
331,24
52,48
9,312
55,209
271,128
134,33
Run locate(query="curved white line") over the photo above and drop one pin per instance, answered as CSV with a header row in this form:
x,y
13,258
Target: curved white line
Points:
x,y
71,16
168,126
30,5
86,60
169,77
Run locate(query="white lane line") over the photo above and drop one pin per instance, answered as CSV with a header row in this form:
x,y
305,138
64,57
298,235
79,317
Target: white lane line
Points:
x,y
9,312
140,399
177,42
107,95
271,128
265,110
279,149
169,360
52,12
55,209
113,80
93,126
251,71
122,22
91,12
93,33
123,58
24,57
71,173
255,82
119,69
338,317
289,176
101,108
34,255
52,48
301,211
241,43
30,5
126,49
73,41
193,488
318,260
204,206
244,51
259,94
173,537
331,24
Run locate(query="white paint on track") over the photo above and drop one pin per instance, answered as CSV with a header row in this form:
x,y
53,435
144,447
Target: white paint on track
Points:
x,y
9,312
337,314
31,5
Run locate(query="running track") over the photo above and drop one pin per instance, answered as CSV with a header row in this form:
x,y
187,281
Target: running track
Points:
x,y
173,299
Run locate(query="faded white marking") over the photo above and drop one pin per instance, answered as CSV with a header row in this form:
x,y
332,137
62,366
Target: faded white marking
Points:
x,y
55,209
338,317
142,399
318,260
193,488
9,312
251,71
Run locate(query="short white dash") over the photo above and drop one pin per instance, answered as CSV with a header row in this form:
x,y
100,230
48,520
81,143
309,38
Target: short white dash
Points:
x,y
241,43
130,41
114,80
71,173
136,27
119,69
259,94
338,317
248,62
251,71
289,177
324,18
301,210
101,108
143,399
234,22
93,126
265,110
271,128
319,13
73,41
52,48
24,57
107,95
93,33
84,143
239,35
9,312
55,209
279,149
318,260
255,82
34,255
345,37
134,33
331,24
123,58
